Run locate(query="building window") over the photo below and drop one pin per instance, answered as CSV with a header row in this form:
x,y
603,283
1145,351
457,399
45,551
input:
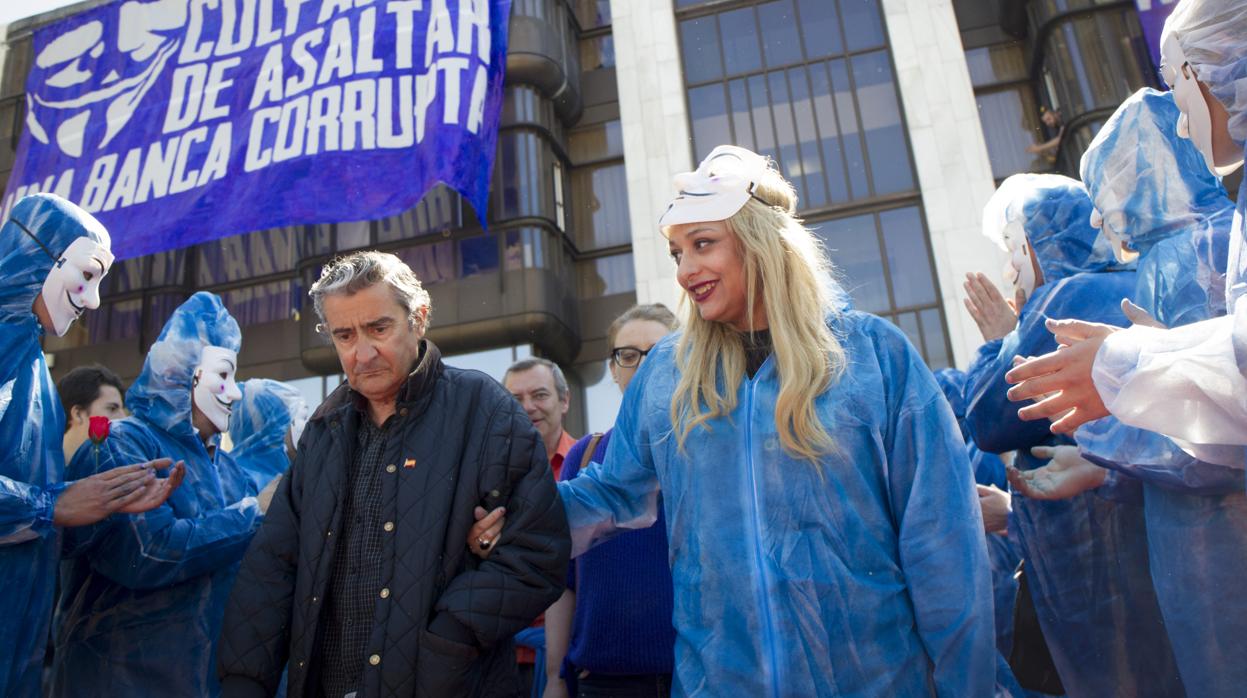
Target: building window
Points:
x,y
601,214
433,263
600,217
606,276
884,262
807,82
560,214
1008,110
522,185
592,14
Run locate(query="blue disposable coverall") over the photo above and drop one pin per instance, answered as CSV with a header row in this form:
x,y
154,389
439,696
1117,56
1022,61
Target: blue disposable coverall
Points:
x,y
862,575
988,470
1196,512
32,424
1086,557
143,595
258,427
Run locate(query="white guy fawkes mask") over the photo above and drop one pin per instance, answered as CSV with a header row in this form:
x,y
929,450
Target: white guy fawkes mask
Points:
x,y
73,285
1019,273
215,391
1195,123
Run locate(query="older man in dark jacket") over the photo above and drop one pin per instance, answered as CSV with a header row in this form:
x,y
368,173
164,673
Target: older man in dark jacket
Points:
x,y
359,578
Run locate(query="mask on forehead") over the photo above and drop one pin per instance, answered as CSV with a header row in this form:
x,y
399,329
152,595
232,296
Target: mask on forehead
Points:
x,y
718,188
73,285
215,391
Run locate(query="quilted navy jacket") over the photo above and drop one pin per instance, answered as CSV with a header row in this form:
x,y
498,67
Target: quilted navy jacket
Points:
x,y
445,627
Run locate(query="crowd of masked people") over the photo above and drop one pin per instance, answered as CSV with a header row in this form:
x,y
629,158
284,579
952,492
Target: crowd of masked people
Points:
x,y
789,502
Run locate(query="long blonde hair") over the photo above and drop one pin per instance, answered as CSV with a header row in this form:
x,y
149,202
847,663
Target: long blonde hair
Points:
x,y
785,263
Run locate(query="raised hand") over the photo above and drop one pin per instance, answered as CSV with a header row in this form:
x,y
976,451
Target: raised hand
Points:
x,y
1066,474
90,499
484,533
1061,380
158,491
994,315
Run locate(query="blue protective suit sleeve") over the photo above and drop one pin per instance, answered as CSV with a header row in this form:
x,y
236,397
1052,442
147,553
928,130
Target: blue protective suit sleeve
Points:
x,y
158,549
992,419
940,536
1155,458
621,493
25,510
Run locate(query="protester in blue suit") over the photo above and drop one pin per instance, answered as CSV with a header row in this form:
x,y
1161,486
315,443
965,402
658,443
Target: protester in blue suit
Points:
x,y
824,531
1186,382
143,597
989,476
52,258
1085,557
1163,205
989,469
265,427
1166,208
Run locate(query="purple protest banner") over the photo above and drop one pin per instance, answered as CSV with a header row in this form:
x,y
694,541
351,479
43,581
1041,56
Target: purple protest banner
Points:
x,y
1152,16
181,121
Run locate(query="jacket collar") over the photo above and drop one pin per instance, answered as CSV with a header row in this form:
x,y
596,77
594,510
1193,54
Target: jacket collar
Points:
x,y
419,382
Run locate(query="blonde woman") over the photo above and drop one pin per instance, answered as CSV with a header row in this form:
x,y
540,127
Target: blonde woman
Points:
x,y
825,537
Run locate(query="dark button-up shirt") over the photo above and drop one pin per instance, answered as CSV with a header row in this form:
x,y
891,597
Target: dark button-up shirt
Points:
x,y
355,580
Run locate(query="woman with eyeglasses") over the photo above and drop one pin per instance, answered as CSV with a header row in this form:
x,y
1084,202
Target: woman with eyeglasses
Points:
x,y
610,634
825,536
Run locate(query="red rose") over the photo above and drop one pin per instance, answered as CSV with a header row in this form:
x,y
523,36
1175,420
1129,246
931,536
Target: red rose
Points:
x,y
98,430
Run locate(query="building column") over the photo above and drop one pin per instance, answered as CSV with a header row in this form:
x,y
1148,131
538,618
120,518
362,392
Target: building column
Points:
x,y
950,153
654,120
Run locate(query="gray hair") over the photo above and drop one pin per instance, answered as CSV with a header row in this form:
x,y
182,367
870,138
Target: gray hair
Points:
x,y
360,270
653,312
560,382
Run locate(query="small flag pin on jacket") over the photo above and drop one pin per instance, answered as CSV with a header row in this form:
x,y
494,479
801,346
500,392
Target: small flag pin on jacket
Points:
x,y
409,463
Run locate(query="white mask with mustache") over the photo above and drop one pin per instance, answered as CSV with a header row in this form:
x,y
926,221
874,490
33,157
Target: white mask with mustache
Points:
x,y
73,285
215,391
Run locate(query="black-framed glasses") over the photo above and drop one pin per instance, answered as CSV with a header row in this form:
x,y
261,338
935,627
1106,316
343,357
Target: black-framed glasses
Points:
x,y
628,357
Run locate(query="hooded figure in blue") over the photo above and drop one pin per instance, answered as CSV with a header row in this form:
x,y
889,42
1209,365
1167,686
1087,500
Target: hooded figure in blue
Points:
x,y
1086,557
1146,175
142,598
825,536
265,427
1157,202
39,231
